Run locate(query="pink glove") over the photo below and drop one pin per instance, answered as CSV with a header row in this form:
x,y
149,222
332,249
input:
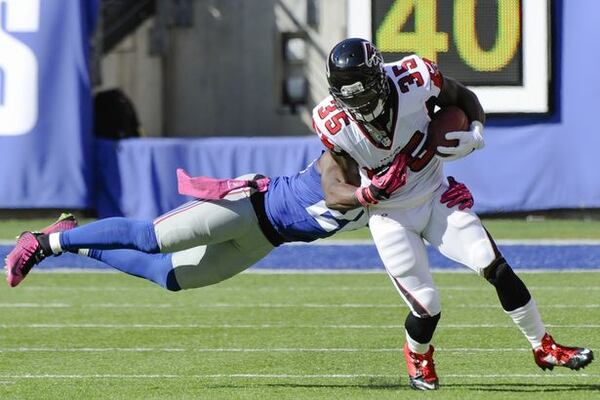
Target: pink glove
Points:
x,y
385,183
457,193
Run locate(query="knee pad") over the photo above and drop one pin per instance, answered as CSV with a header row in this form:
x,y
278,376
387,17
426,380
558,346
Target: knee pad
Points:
x,y
423,302
482,253
421,329
430,300
511,290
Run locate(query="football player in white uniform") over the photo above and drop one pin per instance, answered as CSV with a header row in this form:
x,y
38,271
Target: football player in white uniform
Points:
x,y
375,124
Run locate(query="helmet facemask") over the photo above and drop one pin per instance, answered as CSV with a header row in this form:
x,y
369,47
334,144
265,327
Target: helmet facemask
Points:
x,y
364,102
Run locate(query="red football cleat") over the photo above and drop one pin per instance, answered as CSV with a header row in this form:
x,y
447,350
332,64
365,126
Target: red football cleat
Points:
x,y
28,252
421,369
551,354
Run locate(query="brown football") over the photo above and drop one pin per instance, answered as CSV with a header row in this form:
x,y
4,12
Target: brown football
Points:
x,y
447,119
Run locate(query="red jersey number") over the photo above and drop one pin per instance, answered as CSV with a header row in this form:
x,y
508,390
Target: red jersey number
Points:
x,y
418,162
412,78
335,122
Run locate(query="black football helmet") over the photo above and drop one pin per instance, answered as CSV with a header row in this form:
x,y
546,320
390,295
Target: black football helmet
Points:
x,y
357,80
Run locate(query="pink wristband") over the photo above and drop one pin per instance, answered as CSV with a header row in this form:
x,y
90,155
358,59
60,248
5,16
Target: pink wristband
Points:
x,y
364,197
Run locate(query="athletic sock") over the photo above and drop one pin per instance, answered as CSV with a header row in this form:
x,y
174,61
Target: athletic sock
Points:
x,y
529,321
54,242
416,347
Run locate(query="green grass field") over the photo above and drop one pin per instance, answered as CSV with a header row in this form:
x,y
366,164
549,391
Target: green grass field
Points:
x,y
280,336
289,336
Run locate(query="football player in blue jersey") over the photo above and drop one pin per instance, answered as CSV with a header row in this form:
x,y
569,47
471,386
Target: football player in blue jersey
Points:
x,y
202,242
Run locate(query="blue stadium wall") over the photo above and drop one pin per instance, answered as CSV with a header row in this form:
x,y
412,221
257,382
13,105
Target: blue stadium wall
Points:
x,y
527,164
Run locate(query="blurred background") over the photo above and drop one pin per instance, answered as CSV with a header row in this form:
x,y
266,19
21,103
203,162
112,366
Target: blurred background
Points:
x,y
101,100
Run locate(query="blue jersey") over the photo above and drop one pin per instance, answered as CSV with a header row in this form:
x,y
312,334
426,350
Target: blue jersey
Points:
x,y
295,206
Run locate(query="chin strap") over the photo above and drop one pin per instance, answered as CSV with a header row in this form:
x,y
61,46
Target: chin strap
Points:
x,y
206,188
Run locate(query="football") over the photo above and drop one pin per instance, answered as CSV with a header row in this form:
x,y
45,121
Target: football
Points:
x,y
447,119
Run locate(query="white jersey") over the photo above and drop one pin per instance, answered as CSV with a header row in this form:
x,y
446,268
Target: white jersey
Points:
x,y
416,81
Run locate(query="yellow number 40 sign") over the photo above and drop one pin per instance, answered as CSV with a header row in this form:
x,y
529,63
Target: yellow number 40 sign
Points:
x,y
424,39
501,49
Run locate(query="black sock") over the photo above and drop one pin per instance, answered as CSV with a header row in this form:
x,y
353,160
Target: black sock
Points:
x,y
421,329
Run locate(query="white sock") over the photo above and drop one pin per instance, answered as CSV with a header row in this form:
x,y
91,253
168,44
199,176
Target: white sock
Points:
x,y
529,321
54,239
416,347
83,252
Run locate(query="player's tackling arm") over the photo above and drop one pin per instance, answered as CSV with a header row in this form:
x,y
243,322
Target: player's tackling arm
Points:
x,y
339,176
339,180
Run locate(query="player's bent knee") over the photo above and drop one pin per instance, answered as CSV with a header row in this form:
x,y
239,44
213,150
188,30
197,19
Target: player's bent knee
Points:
x,y
498,271
425,303
192,277
511,290
482,254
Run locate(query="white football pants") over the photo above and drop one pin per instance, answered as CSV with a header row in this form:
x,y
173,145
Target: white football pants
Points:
x,y
212,240
399,235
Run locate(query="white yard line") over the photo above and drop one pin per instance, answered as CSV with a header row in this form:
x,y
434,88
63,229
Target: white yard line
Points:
x,y
380,270
484,287
502,242
282,376
549,242
269,326
268,305
461,350
34,305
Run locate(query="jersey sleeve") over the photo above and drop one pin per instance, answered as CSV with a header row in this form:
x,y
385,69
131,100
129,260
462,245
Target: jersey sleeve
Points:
x,y
417,79
435,76
326,142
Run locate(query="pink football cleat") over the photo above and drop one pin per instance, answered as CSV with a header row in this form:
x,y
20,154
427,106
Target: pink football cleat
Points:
x,y
551,354
28,252
421,369
65,222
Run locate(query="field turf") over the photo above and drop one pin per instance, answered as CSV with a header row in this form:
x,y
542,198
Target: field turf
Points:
x,y
280,336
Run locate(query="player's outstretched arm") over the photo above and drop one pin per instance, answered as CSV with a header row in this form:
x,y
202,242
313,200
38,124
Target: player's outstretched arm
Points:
x,y
339,180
